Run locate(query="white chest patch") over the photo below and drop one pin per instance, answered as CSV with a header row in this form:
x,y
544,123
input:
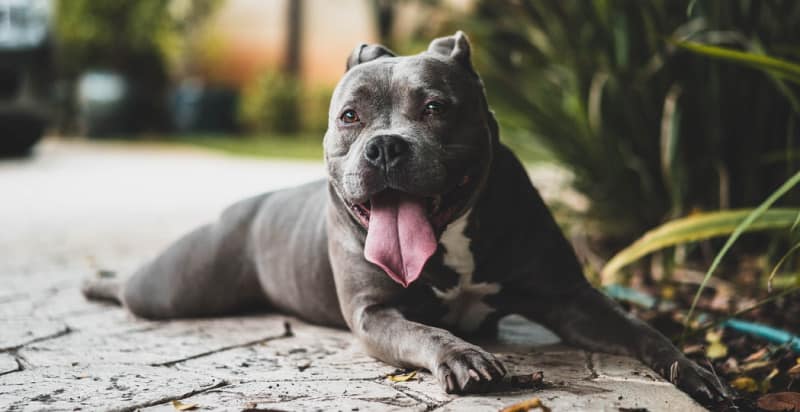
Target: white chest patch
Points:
x,y
466,309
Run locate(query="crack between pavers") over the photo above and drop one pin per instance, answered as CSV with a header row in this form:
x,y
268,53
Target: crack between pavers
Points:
x,y
166,399
65,331
442,405
287,333
19,367
430,404
589,363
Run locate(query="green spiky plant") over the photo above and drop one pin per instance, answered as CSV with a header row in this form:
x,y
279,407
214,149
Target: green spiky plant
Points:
x,y
651,130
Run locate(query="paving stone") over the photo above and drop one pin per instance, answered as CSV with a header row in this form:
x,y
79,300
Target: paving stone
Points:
x,y
19,331
624,369
313,353
323,395
97,387
155,342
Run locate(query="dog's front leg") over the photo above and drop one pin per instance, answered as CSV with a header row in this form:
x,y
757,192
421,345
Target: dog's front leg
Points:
x,y
387,335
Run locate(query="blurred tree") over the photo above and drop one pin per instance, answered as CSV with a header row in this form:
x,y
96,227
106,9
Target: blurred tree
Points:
x,y
287,98
294,37
128,37
384,14
650,131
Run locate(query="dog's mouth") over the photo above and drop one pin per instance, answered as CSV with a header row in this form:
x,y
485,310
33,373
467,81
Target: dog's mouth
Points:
x,y
440,209
402,228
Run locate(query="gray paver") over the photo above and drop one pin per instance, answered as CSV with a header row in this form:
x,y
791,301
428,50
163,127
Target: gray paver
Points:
x,y
79,207
20,331
97,387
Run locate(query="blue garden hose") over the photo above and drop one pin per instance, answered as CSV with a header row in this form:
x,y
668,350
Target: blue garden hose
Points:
x,y
767,333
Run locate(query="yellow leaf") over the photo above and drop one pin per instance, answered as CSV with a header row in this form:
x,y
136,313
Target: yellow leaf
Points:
x,y
766,384
667,293
713,336
405,377
716,349
693,228
184,406
526,405
745,384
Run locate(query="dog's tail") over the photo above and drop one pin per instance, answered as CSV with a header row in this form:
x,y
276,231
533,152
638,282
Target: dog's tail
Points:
x,y
104,286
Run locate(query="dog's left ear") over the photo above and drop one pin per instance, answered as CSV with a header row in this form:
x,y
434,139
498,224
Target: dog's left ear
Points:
x,y
456,47
367,52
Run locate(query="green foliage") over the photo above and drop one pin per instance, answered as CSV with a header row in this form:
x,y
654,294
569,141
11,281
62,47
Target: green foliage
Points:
x,y
271,104
651,130
139,39
741,228
301,147
125,35
278,103
110,34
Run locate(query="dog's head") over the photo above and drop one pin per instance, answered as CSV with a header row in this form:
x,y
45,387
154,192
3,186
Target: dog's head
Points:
x,y
408,147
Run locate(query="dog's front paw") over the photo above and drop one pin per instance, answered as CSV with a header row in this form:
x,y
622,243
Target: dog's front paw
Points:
x,y
463,368
696,381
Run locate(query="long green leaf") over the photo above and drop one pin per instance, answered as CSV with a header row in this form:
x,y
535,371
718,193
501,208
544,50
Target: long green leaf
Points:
x,y
694,228
746,223
779,67
779,264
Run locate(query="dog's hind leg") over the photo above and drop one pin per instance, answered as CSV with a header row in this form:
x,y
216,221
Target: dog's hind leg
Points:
x,y
208,272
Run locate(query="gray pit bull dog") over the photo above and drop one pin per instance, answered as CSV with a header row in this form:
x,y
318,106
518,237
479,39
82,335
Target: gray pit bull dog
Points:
x,y
426,228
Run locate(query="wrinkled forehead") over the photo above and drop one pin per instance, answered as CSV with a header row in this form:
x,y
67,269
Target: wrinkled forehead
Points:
x,y
409,75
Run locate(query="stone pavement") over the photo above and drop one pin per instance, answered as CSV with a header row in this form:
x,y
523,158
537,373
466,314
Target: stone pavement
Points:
x,y
76,207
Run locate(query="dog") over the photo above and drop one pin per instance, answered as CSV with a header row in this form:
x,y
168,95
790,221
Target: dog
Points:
x,y
427,228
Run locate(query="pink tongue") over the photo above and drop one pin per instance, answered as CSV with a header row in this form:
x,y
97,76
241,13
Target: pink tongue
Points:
x,y
400,238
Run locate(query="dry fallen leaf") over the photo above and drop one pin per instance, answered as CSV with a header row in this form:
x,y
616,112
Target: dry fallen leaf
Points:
x,y
178,405
794,371
693,349
757,355
716,349
405,377
780,402
526,405
745,384
757,366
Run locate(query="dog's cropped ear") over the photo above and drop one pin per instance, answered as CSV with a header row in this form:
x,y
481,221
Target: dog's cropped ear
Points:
x,y
456,47
367,52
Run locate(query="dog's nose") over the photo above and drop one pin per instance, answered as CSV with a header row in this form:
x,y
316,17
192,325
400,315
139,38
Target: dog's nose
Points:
x,y
386,151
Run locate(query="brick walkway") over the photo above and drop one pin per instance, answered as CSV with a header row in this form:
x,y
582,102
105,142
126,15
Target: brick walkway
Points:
x,y
77,207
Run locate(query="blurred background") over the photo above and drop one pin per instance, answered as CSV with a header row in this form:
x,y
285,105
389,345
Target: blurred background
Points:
x,y
675,117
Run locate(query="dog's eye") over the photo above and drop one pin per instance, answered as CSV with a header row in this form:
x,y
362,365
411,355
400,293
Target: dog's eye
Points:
x,y
433,107
349,116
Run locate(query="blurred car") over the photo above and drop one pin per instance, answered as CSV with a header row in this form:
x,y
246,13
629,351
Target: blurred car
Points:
x,y
25,73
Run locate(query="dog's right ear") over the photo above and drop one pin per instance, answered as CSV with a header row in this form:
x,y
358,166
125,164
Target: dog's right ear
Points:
x,y
367,52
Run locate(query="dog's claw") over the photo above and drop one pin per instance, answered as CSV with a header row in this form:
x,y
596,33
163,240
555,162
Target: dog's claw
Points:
x,y
462,369
698,382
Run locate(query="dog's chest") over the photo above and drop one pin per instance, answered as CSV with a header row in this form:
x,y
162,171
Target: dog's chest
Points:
x,y
466,309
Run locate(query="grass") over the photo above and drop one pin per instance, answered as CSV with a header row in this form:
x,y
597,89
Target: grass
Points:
x,y
301,147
